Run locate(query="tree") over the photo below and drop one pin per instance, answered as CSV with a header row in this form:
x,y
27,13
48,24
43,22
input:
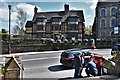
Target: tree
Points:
x,y
88,30
20,22
5,35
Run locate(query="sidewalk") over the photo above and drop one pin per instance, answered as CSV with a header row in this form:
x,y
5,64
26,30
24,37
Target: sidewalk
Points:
x,y
102,77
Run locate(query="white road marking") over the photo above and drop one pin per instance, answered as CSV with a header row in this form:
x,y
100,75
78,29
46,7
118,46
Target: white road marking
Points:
x,y
39,58
29,53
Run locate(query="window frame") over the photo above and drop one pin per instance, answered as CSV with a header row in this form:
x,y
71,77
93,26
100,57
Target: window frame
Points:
x,y
101,23
105,14
111,22
111,11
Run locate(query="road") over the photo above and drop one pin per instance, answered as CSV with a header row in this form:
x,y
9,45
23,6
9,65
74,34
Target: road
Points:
x,y
47,65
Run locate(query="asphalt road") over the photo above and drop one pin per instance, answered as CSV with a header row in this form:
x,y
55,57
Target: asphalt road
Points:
x,y
47,64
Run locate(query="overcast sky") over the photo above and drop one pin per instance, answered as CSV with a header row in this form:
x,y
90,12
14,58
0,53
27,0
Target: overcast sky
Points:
x,y
88,6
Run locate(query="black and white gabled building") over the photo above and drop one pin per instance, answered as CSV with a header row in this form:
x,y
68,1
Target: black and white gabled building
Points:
x,y
67,23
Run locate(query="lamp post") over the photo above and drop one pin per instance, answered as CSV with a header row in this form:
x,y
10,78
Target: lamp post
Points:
x,y
9,47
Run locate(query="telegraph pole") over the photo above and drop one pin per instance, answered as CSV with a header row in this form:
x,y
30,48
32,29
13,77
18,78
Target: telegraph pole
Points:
x,y
9,46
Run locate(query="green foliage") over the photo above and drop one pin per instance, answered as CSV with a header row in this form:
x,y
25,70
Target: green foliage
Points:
x,y
88,30
5,35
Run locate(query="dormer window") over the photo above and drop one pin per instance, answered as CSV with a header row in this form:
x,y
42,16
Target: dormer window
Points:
x,y
56,23
57,19
41,19
72,19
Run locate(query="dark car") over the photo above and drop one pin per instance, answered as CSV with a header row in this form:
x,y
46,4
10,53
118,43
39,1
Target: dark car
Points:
x,y
67,57
115,48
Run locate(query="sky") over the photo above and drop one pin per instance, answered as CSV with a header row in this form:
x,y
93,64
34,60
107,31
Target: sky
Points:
x,y
88,7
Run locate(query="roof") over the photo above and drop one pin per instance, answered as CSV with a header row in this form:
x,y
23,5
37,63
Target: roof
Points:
x,y
106,3
62,14
16,61
29,24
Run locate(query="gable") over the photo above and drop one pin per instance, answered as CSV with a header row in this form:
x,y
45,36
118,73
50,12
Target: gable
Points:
x,y
13,65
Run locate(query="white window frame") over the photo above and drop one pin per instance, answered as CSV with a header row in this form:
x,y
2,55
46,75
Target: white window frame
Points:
x,y
111,10
111,20
101,21
101,11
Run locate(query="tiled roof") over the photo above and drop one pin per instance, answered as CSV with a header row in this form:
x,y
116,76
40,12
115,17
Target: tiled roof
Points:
x,y
29,24
62,14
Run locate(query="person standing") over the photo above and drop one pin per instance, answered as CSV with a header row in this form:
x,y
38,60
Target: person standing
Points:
x,y
78,62
91,68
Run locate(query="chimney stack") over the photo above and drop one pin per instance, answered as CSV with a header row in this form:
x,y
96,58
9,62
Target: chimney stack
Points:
x,y
66,7
35,10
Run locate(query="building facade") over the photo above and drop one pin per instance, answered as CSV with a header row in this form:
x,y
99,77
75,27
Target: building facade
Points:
x,y
106,20
56,24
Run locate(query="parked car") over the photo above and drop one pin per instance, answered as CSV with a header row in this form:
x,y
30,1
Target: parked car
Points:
x,y
115,48
67,57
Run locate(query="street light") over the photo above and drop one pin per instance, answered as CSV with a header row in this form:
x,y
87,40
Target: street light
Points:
x,y
9,47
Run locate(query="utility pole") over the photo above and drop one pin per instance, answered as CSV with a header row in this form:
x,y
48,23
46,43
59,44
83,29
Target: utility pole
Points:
x,y
9,46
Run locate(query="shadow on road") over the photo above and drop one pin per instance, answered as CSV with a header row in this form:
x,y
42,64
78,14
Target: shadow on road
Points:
x,y
67,78
57,68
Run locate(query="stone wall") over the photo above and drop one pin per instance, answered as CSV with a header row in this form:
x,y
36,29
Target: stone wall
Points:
x,y
29,47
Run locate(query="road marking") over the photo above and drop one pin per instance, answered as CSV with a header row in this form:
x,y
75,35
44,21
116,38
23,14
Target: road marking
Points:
x,y
30,53
39,58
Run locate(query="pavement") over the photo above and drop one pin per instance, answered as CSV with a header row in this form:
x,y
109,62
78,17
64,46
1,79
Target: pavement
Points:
x,y
102,77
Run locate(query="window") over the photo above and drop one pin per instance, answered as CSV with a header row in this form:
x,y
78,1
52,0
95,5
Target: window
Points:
x,y
103,23
41,27
113,11
113,22
103,34
72,19
39,35
72,35
56,20
103,12
56,27
72,27
40,20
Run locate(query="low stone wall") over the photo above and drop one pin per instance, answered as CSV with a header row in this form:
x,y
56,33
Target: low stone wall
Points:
x,y
51,46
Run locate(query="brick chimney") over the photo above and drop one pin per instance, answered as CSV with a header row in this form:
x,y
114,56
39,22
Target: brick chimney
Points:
x,y
66,8
35,10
